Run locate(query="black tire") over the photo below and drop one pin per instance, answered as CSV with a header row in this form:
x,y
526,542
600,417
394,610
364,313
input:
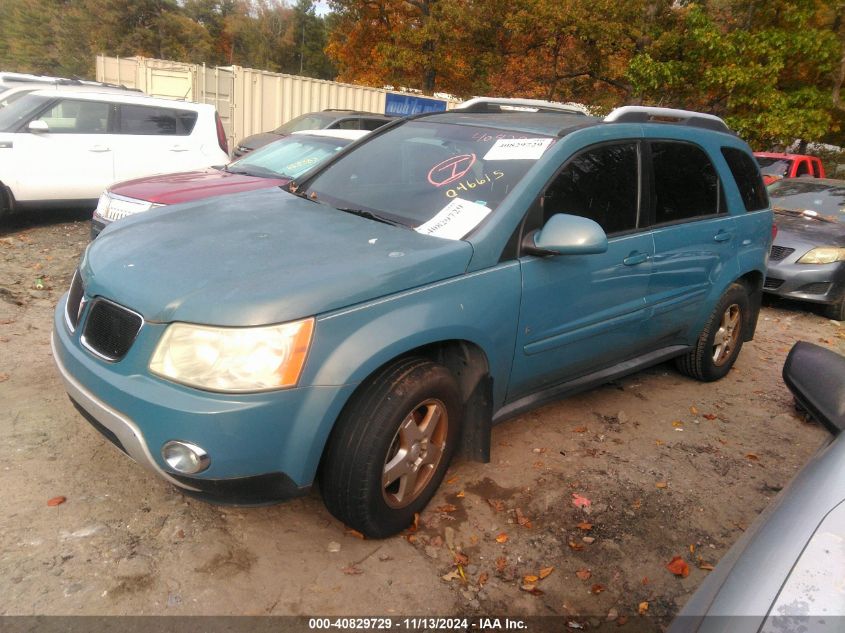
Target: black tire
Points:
x,y
836,311
5,203
712,358
387,422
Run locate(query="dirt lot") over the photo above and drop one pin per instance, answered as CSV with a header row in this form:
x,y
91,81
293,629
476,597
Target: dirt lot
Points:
x,y
669,467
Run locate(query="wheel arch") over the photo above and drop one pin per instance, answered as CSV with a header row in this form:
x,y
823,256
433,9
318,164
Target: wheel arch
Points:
x,y
753,282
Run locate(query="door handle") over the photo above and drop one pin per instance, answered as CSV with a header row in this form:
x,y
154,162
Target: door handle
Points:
x,y
722,236
98,148
635,258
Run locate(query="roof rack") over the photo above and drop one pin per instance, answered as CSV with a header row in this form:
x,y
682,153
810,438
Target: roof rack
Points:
x,y
647,114
501,104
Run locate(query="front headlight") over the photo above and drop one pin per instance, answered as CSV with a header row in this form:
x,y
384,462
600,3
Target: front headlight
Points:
x,y
233,359
823,255
113,207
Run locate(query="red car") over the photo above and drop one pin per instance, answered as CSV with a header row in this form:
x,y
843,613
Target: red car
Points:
x,y
775,166
273,165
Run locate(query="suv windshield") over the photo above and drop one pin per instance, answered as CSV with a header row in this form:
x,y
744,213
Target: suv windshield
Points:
x,y
773,166
816,196
20,110
314,121
289,157
436,177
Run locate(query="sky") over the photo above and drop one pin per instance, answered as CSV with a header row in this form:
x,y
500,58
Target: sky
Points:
x,y
322,7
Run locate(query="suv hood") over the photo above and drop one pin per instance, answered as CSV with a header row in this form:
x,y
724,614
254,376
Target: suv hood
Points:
x,y
192,185
258,258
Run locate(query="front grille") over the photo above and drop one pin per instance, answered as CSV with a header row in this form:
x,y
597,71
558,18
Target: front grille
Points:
x,y
817,288
110,329
74,301
779,253
771,283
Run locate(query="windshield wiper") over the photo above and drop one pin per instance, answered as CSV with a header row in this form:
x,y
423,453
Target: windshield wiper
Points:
x,y
804,213
371,216
258,172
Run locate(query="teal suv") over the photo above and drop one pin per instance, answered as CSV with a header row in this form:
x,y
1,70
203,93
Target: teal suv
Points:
x,y
445,273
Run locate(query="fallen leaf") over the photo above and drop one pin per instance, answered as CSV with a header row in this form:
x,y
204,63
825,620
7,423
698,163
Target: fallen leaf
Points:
x,y
352,570
530,578
473,539
692,549
580,502
452,480
539,451
597,588
677,424
56,501
483,577
637,504
460,495
644,581
709,416
659,442
545,571
446,507
532,589
411,538
584,574
706,566
693,410
642,609
502,538
752,457
416,524
461,559
588,539
661,484
501,563
4,377
579,429
522,520
585,526
497,504
452,575
575,546
678,566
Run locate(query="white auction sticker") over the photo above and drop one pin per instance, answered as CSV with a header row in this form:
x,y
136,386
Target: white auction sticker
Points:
x,y
518,149
455,220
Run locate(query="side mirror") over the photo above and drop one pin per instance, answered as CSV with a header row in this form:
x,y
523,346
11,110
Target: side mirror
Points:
x,y
816,377
38,126
566,235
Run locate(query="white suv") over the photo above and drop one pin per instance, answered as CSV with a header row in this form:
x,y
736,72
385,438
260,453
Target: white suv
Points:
x,y
62,147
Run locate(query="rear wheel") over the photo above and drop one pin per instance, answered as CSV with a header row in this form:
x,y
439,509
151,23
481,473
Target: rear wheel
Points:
x,y
391,447
720,341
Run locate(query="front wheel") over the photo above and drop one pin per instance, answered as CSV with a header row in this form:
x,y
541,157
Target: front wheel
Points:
x,y
720,341
391,447
836,311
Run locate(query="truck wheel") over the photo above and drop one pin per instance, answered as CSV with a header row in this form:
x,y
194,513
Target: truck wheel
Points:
x,y
391,447
720,341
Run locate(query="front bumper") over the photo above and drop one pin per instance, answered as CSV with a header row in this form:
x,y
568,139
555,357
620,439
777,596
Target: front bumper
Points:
x,y
818,283
264,447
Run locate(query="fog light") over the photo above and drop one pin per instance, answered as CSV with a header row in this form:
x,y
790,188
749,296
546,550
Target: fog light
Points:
x,y
185,457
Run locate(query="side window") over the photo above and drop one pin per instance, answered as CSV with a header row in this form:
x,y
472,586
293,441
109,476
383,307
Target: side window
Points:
x,y
803,169
152,121
685,182
347,124
371,124
816,164
601,184
748,180
77,117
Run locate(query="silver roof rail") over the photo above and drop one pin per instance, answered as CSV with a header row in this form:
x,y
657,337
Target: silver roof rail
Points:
x,y
647,114
481,104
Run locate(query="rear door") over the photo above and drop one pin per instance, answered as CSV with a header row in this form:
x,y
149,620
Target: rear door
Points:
x,y
73,160
694,237
155,140
581,313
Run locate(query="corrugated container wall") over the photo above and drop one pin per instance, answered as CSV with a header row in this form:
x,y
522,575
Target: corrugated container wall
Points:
x,y
248,100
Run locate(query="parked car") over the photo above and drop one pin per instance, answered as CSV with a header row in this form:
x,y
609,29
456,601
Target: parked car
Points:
x,y
775,166
450,271
325,120
785,573
12,94
61,147
273,165
509,104
807,261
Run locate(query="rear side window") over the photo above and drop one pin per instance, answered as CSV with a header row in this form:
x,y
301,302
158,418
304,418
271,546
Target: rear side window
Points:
x,y
153,121
69,116
803,169
747,177
372,124
685,182
601,184
346,124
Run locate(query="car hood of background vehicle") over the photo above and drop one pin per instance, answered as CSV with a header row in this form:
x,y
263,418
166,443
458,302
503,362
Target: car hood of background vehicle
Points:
x,y
260,140
192,185
810,231
259,258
